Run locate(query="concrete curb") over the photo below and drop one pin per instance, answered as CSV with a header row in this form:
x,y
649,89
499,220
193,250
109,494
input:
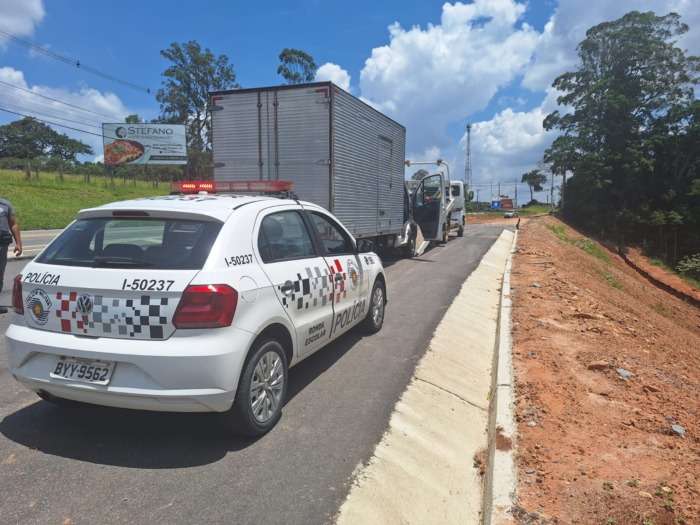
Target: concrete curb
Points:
x,y
426,467
501,478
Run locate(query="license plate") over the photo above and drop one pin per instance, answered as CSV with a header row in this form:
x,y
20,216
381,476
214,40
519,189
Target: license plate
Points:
x,y
83,370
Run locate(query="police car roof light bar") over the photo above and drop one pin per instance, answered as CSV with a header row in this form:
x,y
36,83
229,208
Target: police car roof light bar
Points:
x,y
234,186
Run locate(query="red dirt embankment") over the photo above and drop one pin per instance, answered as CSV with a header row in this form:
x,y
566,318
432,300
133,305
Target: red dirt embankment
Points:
x,y
607,386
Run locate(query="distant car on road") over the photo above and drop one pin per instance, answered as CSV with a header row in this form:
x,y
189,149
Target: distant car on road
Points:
x,y
509,214
190,303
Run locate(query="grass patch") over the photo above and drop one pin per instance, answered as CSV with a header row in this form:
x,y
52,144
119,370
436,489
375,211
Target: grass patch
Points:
x,y
610,279
536,209
584,243
560,231
592,248
45,202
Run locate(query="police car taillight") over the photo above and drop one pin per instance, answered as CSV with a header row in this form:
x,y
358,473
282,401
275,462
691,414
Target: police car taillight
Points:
x,y
206,306
234,186
17,302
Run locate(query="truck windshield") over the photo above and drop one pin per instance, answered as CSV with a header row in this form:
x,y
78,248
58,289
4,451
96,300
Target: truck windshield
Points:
x,y
133,243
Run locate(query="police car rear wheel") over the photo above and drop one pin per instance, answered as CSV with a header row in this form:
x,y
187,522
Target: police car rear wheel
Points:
x,y
375,315
262,390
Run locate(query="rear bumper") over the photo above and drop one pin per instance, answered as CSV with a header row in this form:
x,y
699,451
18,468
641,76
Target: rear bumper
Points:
x,y
194,372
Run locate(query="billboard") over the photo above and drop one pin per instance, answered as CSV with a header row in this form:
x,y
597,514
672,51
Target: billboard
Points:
x,y
144,144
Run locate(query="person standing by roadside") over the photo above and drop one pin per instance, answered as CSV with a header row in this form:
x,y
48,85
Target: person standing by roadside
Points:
x,y
9,231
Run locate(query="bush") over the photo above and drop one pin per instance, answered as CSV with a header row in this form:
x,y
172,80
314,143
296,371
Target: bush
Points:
x,y
690,266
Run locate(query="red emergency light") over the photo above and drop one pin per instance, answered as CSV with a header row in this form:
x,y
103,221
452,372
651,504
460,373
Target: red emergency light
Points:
x,y
235,186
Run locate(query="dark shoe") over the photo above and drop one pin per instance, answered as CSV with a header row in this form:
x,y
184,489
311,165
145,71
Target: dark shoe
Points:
x,y
3,310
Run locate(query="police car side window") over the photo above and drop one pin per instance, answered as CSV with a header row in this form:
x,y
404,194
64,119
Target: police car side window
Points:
x,y
333,239
283,236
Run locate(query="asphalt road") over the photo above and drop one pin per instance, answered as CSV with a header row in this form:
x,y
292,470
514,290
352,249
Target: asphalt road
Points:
x,y
99,465
33,241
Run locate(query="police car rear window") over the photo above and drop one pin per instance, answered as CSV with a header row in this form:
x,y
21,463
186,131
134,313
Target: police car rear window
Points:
x,y
167,244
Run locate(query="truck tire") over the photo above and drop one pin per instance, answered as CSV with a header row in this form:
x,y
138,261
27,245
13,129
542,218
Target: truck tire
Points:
x,y
410,248
460,232
262,390
445,233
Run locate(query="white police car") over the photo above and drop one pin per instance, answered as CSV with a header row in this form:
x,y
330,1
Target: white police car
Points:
x,y
190,303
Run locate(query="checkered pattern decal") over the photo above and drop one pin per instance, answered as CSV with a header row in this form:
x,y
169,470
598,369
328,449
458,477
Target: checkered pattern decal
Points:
x,y
145,317
317,287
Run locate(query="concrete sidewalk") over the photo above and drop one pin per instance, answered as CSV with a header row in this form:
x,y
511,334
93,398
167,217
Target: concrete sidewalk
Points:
x,y
424,469
33,241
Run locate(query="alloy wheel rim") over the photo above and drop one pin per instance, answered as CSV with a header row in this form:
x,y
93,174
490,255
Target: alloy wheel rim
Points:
x,y
378,306
266,387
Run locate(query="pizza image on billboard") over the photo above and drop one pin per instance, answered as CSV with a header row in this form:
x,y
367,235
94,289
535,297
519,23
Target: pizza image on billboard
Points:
x,y
144,144
122,151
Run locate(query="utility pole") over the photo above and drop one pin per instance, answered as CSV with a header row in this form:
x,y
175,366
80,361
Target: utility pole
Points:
x,y
468,158
499,191
516,193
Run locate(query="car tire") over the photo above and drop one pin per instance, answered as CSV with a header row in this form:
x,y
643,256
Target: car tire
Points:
x,y
260,397
375,313
460,232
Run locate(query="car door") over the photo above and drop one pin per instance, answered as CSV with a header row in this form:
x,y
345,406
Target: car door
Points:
x,y
299,274
428,206
348,275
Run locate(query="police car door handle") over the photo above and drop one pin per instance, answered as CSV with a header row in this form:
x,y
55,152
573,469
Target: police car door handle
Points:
x,y
287,287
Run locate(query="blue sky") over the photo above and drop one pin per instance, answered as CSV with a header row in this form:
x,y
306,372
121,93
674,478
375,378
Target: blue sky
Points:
x,y
431,65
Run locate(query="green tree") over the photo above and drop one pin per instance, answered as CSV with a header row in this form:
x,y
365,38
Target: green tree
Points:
x,y
184,96
25,139
631,132
133,119
534,180
66,151
296,66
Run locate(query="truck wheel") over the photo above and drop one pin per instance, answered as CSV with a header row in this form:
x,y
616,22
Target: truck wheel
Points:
x,y
375,314
410,248
262,390
460,232
445,234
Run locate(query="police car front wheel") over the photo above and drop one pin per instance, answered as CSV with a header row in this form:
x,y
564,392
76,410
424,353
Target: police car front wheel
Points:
x,y
375,315
262,390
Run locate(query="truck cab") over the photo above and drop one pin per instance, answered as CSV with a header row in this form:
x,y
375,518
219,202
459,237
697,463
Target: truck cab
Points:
x,y
458,218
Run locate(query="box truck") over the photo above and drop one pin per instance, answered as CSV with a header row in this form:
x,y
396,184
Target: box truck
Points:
x,y
338,151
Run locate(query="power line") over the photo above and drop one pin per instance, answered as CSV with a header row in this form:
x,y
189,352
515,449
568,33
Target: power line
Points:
x,y
56,100
72,61
56,124
44,114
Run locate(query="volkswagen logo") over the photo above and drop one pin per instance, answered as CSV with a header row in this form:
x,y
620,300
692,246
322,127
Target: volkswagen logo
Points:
x,y
84,304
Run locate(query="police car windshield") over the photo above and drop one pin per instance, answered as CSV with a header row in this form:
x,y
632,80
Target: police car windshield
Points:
x,y
133,243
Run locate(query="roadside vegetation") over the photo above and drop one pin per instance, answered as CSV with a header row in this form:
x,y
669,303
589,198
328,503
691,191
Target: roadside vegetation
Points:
x,y
629,136
45,201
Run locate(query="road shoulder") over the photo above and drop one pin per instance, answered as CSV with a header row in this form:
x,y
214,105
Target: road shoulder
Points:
x,y
424,469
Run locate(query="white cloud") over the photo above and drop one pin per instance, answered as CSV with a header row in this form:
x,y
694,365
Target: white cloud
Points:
x,y
108,105
429,77
335,74
20,17
510,143
556,47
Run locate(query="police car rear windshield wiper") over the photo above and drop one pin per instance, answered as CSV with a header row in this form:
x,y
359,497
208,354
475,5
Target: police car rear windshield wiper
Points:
x,y
106,262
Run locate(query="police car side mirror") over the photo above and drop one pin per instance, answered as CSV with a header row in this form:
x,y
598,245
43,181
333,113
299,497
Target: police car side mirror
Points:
x,y
365,245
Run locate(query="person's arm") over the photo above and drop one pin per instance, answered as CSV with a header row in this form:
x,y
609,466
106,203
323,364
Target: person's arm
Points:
x,y
14,228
